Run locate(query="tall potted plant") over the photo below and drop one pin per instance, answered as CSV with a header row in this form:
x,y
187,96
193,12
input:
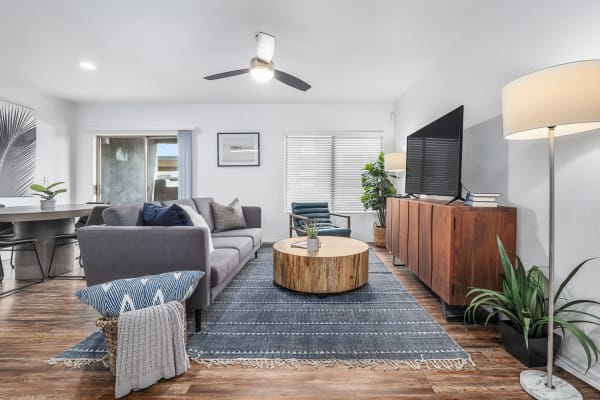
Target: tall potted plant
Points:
x,y
377,188
523,301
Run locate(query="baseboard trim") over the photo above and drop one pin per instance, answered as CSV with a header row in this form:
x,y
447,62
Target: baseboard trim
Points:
x,y
591,379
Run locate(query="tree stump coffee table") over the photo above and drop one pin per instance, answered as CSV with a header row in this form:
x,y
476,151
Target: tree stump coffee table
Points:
x,y
341,264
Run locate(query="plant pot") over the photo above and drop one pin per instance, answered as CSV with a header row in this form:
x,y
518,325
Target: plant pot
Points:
x,y
312,245
379,236
536,354
47,204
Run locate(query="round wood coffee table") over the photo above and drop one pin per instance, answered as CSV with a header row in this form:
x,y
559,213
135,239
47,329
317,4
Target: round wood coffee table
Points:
x,y
341,264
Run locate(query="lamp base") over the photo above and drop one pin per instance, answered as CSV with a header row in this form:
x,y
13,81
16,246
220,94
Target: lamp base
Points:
x,y
534,383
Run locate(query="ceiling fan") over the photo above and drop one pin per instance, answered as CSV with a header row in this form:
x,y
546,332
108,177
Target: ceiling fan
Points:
x,y
262,68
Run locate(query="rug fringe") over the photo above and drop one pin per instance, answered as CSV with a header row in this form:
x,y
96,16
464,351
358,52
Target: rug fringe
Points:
x,y
78,362
449,364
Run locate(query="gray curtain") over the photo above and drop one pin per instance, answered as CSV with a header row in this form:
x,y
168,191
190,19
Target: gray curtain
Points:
x,y
184,163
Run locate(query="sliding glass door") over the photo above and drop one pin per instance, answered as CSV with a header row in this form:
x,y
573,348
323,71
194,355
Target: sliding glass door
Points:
x,y
162,172
134,169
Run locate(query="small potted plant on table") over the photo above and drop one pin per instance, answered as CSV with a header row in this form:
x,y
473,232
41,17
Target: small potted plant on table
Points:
x,y
312,230
47,195
522,306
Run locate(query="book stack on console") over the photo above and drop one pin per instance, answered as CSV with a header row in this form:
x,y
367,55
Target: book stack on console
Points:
x,y
482,199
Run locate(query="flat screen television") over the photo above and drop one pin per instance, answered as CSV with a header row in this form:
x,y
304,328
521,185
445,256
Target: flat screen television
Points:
x,y
434,157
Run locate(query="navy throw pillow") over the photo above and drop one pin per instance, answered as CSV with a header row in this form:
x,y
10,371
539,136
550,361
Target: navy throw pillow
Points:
x,y
174,215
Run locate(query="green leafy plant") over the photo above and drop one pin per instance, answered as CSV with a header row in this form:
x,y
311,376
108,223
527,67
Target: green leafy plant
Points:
x,y
311,229
46,192
524,301
377,188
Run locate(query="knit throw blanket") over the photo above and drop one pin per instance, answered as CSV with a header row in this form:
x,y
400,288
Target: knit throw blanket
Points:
x,y
151,346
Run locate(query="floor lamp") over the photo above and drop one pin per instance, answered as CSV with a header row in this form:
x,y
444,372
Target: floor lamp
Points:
x,y
560,100
395,162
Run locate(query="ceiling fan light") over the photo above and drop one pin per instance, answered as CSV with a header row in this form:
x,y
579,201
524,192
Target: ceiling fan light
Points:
x,y
262,74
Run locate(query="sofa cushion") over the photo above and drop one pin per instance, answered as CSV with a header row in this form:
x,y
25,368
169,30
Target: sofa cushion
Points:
x,y
203,206
198,220
222,263
242,244
172,215
254,233
333,231
228,217
115,297
181,202
125,215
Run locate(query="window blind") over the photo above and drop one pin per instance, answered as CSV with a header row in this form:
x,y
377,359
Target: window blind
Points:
x,y
327,168
350,155
307,169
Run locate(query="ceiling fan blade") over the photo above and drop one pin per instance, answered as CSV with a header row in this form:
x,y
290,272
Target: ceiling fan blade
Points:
x,y
291,80
265,46
227,74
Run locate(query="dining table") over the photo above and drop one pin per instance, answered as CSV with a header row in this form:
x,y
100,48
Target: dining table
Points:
x,y
33,222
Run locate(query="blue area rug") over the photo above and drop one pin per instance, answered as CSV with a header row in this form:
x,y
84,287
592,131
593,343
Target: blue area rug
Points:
x,y
253,322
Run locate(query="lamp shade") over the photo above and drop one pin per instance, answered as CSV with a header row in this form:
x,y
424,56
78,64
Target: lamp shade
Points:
x,y
565,96
395,161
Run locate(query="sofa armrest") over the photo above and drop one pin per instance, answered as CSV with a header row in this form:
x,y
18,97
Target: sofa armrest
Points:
x,y
253,216
117,252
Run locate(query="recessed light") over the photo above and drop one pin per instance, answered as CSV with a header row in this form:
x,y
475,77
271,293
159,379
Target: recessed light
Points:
x,y
87,66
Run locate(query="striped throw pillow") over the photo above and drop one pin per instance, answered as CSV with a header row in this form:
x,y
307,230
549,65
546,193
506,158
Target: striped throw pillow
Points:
x,y
116,297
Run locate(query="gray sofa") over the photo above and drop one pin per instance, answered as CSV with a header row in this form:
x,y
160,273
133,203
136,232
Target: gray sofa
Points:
x,y
124,248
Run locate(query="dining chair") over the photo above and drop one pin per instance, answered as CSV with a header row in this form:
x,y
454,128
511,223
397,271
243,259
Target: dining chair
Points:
x,y
7,232
17,245
95,218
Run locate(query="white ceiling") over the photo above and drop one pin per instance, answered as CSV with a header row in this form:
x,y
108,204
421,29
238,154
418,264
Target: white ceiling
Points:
x,y
159,50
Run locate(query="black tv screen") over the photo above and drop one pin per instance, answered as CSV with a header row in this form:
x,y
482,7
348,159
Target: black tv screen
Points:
x,y
434,157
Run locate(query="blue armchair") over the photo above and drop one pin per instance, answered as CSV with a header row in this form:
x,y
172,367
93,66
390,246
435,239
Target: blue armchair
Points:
x,y
316,212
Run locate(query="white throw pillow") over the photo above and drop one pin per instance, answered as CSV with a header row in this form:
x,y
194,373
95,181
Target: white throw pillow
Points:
x,y
198,220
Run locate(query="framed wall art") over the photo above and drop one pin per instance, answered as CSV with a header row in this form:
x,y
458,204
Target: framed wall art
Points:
x,y
238,149
17,149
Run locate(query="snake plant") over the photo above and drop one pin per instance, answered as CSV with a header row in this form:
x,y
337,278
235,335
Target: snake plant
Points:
x,y
524,301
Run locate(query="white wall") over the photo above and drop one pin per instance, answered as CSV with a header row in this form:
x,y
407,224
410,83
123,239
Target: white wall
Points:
x,y
262,186
526,36
55,123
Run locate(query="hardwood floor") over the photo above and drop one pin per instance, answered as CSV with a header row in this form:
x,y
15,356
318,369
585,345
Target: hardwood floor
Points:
x,y
43,320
